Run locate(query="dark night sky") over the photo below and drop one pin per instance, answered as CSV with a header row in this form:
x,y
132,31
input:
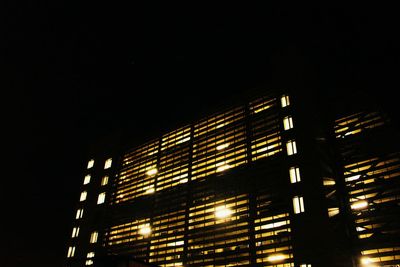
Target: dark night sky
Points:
x,y
75,72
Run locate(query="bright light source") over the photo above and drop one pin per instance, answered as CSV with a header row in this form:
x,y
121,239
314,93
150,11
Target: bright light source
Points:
x,y
359,205
277,257
150,190
223,168
144,229
152,171
223,146
177,243
222,212
365,261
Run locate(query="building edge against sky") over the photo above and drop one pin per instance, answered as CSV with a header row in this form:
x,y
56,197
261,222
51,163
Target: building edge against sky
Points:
x,y
278,180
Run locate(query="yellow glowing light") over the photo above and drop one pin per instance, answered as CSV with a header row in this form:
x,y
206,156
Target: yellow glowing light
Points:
x,y
277,257
177,243
223,146
150,190
222,212
365,261
262,108
183,140
151,172
144,229
359,205
223,168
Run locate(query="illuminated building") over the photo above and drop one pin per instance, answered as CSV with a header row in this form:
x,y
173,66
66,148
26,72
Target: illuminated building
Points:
x,y
272,182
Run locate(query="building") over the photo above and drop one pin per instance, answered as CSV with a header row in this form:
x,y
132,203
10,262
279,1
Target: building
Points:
x,y
278,180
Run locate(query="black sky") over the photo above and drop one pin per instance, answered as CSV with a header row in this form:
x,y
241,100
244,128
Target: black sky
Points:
x,y
76,71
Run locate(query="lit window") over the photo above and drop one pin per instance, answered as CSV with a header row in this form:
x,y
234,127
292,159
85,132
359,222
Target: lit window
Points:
x,y
90,255
277,257
291,147
108,163
223,146
150,189
104,180
305,265
333,211
89,262
93,237
177,243
222,212
79,214
75,231
151,172
287,123
294,174
101,198
144,229
83,196
365,261
90,164
285,101
359,205
87,179
71,252
298,205
223,168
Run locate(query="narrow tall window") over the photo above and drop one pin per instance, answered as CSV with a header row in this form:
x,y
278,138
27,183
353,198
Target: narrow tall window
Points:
x,y
93,237
104,180
108,163
83,196
87,179
298,205
291,147
79,214
75,232
288,123
71,252
294,174
285,101
90,163
101,198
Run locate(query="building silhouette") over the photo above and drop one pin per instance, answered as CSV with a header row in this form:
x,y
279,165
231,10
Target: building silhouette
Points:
x,y
280,178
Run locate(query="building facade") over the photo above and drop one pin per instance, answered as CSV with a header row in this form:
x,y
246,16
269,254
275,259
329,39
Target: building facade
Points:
x,y
275,181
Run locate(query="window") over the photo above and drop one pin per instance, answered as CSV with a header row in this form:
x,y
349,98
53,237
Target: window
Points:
x,y
75,231
104,180
71,252
93,237
294,174
285,101
90,164
359,205
87,179
79,214
291,147
83,196
108,163
305,265
288,123
144,229
298,205
152,171
101,198
89,258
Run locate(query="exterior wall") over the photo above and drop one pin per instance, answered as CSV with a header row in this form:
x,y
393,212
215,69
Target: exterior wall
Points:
x,y
268,183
